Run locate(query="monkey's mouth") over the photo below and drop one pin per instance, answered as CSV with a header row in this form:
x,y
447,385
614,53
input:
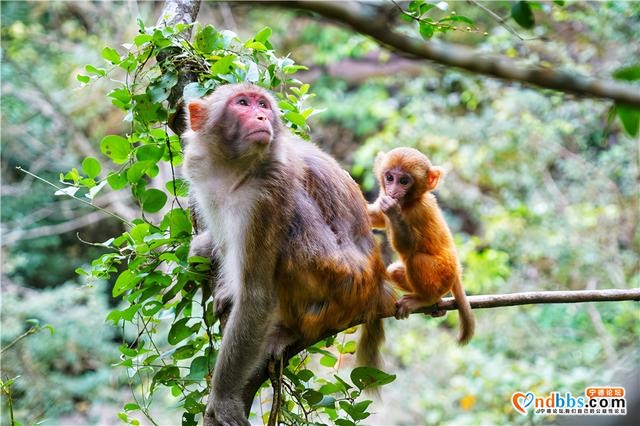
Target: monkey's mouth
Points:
x,y
260,135
260,131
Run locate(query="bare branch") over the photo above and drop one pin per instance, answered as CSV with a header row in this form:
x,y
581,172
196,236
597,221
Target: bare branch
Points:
x,y
541,297
57,229
372,65
477,302
179,12
368,20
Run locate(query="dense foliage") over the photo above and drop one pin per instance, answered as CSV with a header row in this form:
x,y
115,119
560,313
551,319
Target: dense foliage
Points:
x,y
541,193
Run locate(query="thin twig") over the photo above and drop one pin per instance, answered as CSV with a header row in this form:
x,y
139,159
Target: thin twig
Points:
x,y
120,218
502,21
30,331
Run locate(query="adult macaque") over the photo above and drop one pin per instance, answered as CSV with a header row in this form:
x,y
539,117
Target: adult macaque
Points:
x,y
297,256
429,266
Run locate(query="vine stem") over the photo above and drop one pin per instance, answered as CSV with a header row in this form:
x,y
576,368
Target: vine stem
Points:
x,y
32,330
120,218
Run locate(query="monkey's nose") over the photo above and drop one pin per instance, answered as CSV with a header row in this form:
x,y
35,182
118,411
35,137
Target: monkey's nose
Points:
x,y
261,117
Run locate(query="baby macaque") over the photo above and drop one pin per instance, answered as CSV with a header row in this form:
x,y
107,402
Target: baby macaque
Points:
x,y
429,266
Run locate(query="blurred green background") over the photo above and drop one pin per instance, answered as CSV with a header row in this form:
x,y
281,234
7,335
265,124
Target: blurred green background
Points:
x,y
542,193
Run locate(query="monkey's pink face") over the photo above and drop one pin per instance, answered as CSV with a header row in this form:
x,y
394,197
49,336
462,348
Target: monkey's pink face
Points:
x,y
254,117
397,183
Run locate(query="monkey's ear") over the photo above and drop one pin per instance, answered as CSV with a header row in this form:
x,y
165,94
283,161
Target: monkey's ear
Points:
x,y
197,115
435,174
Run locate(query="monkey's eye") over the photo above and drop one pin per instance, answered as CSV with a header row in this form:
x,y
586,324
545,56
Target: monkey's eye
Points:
x,y
404,181
262,103
389,178
243,102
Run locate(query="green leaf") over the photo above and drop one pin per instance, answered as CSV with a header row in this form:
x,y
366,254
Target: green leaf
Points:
x,y
72,175
343,422
367,377
312,396
115,147
166,375
223,65
151,308
184,352
205,39
559,2
135,172
345,386
139,231
126,280
91,167
426,30
153,200
291,69
83,78
194,91
457,18
414,6
150,152
255,45
160,89
117,180
125,315
630,117
129,63
178,187
263,35
127,351
305,375
180,331
178,222
131,407
141,39
111,55
362,405
88,182
189,419
93,70
425,7
354,410
522,14
328,361
120,97
148,111
631,73
327,402
199,368
347,348
295,118
331,388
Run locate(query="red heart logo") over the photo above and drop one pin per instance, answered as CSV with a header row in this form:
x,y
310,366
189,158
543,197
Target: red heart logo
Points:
x,y
515,401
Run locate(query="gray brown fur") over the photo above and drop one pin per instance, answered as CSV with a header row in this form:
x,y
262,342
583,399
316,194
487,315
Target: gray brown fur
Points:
x,y
296,251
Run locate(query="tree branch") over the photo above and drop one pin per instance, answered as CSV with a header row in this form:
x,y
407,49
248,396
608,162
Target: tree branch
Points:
x,y
371,21
56,229
476,302
179,12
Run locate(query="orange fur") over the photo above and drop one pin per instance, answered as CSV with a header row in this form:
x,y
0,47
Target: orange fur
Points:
x,y
429,266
